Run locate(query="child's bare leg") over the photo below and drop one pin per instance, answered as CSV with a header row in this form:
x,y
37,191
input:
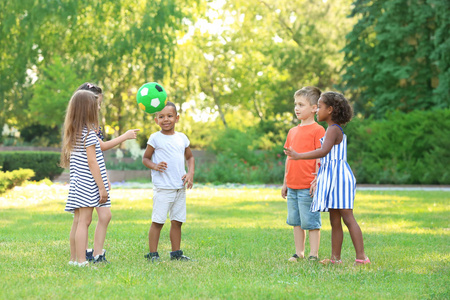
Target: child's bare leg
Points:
x,y
175,235
84,220
104,216
299,240
153,236
337,235
73,250
87,241
355,232
314,242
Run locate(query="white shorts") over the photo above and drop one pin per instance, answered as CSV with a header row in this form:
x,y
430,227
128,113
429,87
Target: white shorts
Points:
x,y
169,201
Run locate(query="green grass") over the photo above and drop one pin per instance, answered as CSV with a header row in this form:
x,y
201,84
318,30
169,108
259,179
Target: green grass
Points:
x,y
239,242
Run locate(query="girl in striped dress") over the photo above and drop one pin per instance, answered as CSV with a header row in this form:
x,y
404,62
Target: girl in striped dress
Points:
x,y
98,254
336,184
88,180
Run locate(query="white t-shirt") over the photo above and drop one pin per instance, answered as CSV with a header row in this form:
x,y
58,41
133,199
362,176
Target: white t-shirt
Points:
x,y
170,149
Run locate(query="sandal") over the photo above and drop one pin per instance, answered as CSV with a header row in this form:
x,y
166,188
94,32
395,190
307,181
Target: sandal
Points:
x,y
294,257
362,261
313,258
328,261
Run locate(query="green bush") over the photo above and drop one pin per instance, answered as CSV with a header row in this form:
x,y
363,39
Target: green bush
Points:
x,y
267,167
41,135
236,145
8,180
238,160
44,164
402,149
125,165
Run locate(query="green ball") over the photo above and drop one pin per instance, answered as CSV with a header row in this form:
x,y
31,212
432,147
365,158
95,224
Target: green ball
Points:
x,y
151,97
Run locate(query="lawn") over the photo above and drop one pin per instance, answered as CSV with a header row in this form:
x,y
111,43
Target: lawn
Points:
x,y
239,243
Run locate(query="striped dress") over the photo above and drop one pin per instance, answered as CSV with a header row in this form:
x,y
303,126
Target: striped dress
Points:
x,y
336,184
83,191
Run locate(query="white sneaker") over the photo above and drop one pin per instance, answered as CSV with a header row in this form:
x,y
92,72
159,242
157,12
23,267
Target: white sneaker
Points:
x,y
83,264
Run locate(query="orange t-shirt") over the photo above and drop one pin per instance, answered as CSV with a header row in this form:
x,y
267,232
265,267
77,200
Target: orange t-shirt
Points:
x,y
302,139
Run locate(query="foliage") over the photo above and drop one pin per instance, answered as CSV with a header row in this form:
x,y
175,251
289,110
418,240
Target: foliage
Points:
x,y
52,93
254,55
267,170
32,32
236,144
40,135
402,149
239,243
442,48
394,57
8,179
126,165
44,164
239,160
118,45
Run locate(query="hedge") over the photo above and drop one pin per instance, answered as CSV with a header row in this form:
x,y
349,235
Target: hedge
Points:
x,y
44,164
401,149
8,180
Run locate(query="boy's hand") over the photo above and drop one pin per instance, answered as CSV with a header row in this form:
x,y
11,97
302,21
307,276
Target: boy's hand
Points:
x,y
188,180
161,167
313,187
131,134
284,191
291,153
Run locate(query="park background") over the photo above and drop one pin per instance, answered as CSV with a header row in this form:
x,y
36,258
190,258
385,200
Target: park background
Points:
x,y
232,68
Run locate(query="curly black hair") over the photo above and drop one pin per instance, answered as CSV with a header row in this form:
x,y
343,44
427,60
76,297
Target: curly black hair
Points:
x,y
342,110
90,87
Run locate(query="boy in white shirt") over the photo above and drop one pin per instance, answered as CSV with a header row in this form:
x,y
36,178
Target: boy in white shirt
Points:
x,y
165,154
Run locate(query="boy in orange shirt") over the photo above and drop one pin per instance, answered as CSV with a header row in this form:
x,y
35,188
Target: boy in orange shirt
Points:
x,y
299,178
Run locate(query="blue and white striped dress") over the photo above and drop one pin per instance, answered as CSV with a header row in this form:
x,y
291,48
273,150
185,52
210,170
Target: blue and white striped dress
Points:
x,y
83,191
336,184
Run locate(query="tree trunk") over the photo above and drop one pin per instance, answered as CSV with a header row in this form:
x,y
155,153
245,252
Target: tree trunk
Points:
x,y
216,99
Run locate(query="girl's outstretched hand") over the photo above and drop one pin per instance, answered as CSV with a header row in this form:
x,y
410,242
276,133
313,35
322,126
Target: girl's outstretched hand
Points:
x,y
131,134
291,153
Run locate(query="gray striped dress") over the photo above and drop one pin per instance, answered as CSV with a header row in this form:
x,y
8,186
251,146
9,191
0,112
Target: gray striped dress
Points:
x,y
83,191
336,184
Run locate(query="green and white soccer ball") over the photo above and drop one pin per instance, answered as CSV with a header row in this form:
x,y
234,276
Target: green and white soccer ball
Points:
x,y
151,97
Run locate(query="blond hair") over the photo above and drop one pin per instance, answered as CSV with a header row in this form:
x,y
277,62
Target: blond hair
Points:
x,y
82,111
311,93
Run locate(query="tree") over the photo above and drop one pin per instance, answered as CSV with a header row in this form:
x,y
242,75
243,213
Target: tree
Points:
x,y
118,45
21,24
52,93
391,62
264,51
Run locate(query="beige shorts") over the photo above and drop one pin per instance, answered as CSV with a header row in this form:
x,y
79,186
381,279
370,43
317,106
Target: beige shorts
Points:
x,y
169,201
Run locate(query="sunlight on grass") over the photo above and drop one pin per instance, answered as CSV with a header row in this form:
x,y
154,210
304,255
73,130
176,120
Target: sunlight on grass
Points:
x,y
33,195
239,242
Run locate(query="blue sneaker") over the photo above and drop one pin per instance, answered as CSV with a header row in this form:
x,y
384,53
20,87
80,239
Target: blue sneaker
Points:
x,y
152,256
178,255
101,258
90,254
